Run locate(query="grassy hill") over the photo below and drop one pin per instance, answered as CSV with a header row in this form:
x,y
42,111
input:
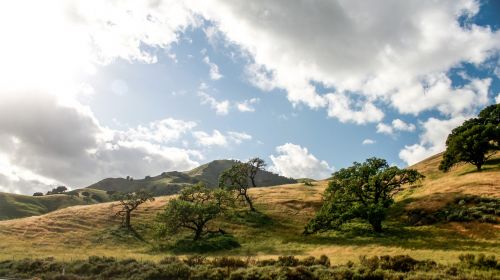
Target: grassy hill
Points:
x,y
78,231
15,205
18,206
171,182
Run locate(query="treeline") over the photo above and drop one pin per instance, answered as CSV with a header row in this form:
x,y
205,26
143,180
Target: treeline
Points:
x,y
286,267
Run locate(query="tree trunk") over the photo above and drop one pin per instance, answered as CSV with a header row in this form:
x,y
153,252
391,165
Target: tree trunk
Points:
x,y
197,234
376,225
478,166
127,219
249,201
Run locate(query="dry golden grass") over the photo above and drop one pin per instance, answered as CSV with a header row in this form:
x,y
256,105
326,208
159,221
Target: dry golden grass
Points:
x,y
81,231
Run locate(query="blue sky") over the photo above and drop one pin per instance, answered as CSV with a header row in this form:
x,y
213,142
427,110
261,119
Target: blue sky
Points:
x,y
137,89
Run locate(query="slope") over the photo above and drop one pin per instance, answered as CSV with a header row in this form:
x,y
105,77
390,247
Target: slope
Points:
x,y
16,206
79,231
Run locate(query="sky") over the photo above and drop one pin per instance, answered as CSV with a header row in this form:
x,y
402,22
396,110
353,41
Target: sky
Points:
x,y
91,89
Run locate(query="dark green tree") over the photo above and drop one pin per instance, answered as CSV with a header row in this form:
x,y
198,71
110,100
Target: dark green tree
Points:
x,y
254,166
193,210
129,203
236,179
474,141
364,190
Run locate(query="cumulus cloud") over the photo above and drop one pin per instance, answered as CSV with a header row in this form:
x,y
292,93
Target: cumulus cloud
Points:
x,y
220,107
432,140
247,105
238,137
214,69
295,161
390,52
46,141
219,139
368,141
396,125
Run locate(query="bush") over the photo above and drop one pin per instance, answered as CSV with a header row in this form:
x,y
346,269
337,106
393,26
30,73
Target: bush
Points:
x,y
287,261
403,263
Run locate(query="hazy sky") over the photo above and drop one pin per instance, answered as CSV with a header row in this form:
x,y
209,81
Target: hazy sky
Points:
x,y
97,88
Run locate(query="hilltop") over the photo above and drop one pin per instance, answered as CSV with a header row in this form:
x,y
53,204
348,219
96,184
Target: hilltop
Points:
x,y
171,182
79,231
18,206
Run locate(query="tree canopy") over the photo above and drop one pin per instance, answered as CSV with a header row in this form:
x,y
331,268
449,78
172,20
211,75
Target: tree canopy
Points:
x,y
238,178
193,210
364,190
474,141
129,203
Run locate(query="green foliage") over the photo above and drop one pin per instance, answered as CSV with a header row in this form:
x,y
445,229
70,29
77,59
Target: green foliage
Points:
x,y
193,210
474,141
237,179
384,267
364,190
57,190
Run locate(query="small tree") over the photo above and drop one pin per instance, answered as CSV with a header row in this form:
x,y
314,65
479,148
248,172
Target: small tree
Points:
x,y
38,194
57,190
364,190
129,203
474,141
193,210
236,179
254,166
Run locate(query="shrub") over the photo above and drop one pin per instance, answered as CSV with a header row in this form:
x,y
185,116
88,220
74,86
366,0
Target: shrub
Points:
x,y
287,261
402,263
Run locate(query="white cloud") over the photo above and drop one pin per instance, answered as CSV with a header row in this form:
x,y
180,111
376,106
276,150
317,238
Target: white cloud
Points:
x,y
220,107
214,69
497,99
395,52
402,126
219,139
340,107
247,105
368,142
239,137
295,161
432,140
162,131
396,125
214,139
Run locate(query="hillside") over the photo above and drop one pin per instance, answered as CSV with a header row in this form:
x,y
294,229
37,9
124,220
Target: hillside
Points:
x,y
171,182
79,231
16,206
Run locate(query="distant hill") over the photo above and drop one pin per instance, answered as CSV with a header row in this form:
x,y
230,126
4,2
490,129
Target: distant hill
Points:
x,y
171,182
17,206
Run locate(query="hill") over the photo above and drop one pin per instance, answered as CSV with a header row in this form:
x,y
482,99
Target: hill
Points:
x,y
16,205
171,182
79,231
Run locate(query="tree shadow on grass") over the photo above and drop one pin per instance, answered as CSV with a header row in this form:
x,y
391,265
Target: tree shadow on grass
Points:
x,y
121,235
490,165
213,242
396,236
250,218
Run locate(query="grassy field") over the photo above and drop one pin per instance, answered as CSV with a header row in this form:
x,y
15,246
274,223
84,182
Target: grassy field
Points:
x,y
80,231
